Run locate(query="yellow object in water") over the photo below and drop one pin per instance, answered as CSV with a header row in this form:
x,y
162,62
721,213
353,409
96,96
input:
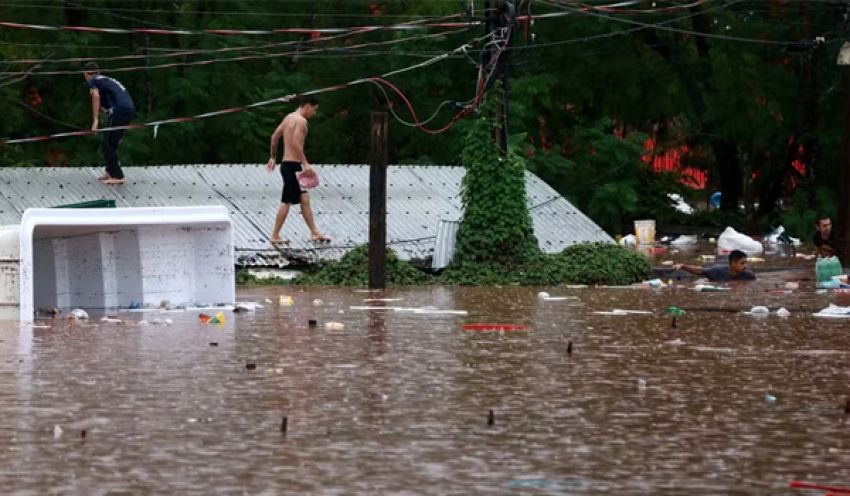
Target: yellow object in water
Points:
x,y
284,301
218,319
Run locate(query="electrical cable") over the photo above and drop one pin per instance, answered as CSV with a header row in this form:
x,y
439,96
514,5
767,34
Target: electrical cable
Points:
x,y
285,99
183,53
674,30
238,59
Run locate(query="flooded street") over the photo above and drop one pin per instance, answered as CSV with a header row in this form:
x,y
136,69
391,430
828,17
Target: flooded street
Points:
x,y
397,402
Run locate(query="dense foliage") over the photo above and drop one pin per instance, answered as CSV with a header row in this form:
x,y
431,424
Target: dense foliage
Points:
x,y
590,264
353,270
586,100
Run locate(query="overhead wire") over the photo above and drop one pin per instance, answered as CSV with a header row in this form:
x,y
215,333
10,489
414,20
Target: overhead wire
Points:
x,y
238,59
182,53
288,98
227,13
660,27
480,90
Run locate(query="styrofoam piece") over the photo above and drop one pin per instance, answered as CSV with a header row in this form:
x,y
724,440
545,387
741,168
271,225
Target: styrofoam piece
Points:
x,y
635,312
610,313
111,257
559,298
834,311
432,310
440,312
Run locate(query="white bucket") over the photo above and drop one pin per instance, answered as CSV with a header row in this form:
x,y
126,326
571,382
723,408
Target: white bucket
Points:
x,y
645,232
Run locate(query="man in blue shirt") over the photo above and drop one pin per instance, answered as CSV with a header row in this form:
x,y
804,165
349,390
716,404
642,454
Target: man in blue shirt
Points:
x,y
109,96
735,271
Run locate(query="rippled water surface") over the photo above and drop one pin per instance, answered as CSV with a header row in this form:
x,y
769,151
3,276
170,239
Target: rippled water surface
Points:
x,y
397,402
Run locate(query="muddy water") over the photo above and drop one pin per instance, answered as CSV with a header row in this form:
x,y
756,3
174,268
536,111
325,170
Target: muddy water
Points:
x,y
783,256
397,403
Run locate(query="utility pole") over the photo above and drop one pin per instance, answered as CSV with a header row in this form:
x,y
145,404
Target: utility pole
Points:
x,y
378,203
502,17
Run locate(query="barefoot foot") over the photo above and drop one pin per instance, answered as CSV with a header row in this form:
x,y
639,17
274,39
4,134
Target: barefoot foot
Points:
x,y
277,240
320,238
113,181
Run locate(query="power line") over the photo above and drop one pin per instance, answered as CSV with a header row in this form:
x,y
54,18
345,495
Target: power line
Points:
x,y
284,99
227,13
674,30
213,51
237,59
51,119
412,25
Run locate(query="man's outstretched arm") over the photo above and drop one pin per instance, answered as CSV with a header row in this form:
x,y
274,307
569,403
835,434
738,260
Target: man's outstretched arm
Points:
x,y
693,269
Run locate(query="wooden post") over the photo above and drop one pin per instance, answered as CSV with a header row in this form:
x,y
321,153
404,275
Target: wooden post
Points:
x,y
378,203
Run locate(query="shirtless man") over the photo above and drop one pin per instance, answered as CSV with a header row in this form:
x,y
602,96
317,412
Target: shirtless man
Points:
x,y
294,131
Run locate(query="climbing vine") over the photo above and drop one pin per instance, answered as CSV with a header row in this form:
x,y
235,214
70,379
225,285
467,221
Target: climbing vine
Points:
x,y
496,234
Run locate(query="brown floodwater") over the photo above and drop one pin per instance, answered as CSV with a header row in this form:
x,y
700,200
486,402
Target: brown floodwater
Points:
x,y
774,256
398,402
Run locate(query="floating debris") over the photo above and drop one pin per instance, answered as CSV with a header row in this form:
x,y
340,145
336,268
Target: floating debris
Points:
x,y
78,314
495,327
218,319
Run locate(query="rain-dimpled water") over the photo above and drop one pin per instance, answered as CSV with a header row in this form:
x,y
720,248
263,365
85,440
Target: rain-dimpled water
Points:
x,y
394,401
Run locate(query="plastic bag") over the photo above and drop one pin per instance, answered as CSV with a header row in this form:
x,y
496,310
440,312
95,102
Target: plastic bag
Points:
x,y
308,182
684,241
733,240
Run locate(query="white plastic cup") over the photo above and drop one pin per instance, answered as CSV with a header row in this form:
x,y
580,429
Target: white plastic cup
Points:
x,y
645,232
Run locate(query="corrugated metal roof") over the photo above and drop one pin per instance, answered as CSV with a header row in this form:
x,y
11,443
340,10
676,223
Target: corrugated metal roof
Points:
x,y
444,248
418,199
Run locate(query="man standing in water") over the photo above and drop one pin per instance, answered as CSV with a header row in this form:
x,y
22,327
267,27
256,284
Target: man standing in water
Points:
x,y
293,129
110,96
